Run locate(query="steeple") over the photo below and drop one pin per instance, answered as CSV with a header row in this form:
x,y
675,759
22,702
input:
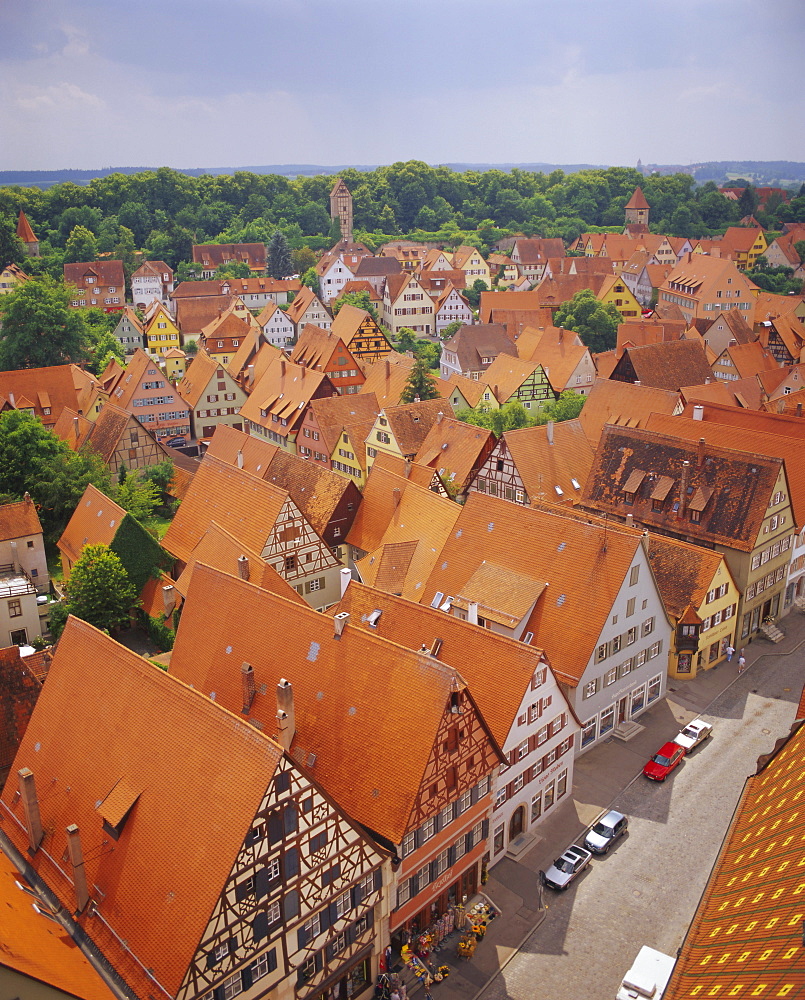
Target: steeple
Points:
x,y
26,234
637,209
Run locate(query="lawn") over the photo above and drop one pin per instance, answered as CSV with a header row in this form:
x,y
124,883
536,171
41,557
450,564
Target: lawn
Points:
x,y
157,524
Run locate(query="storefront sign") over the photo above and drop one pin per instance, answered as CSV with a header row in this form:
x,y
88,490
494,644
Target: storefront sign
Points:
x,y
441,881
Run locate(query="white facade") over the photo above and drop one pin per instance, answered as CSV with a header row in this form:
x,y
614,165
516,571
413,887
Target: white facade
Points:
x,y
27,554
279,330
149,286
454,308
795,584
540,770
627,671
332,281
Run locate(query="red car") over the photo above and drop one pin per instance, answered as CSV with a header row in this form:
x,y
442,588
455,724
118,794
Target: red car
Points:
x,y
664,761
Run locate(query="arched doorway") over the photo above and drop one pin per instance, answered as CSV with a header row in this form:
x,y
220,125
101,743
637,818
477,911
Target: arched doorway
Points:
x,y
517,823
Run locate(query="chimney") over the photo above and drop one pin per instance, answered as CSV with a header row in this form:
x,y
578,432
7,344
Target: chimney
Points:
x,y
75,426
27,496
388,368
637,382
630,520
243,567
247,684
700,453
439,417
340,620
250,379
683,489
168,598
282,367
240,459
549,427
30,804
408,468
77,862
346,577
799,414
472,612
707,381
397,496
286,715
15,559
561,334
698,412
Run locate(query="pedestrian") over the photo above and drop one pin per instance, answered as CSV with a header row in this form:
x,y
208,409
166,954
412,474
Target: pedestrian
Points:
x,y
730,651
741,664
540,888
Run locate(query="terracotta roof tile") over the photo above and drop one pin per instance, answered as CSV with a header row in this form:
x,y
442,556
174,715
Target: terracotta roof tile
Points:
x,y
167,742
638,200
336,697
684,573
382,495
386,380
506,300
18,519
455,450
63,385
95,521
621,403
543,464
667,365
333,414
565,552
19,689
410,423
560,352
506,374
24,231
197,377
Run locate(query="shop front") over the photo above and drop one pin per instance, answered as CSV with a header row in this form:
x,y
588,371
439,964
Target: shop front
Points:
x,y
345,984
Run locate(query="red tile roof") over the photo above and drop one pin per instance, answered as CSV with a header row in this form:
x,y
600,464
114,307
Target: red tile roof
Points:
x,y
95,521
18,519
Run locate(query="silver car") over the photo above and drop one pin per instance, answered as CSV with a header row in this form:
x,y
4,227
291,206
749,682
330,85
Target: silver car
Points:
x,y
606,831
565,869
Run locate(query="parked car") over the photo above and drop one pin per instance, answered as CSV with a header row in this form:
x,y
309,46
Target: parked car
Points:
x,y
565,869
664,761
693,734
605,832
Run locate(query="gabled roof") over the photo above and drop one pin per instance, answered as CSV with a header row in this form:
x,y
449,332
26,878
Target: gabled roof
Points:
x,y
153,268
740,330
747,929
95,521
197,377
684,572
638,200
50,388
768,305
283,390
242,504
216,254
741,484
752,433
751,359
193,314
228,325
538,250
471,389
410,423
560,352
386,380
455,449
375,267
347,322
166,745
221,550
462,254
506,300
465,647
18,519
72,428
19,689
316,347
335,413
549,457
305,297
667,365
382,495
473,342
335,692
638,333
506,374
621,403
41,950
573,576
107,272
315,490
108,428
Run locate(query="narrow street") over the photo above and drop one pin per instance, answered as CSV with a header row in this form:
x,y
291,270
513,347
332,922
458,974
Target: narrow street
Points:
x,y
647,889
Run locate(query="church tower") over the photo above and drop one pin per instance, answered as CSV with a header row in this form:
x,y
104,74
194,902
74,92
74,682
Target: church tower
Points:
x,y
26,234
341,208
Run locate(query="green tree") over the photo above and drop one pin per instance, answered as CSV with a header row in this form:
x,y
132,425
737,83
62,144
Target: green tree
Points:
x,y
473,295
311,279
125,250
11,249
748,202
39,328
81,245
406,341
279,264
161,475
421,383
451,329
234,269
99,590
567,407
360,300
302,259
799,246
510,417
138,495
596,323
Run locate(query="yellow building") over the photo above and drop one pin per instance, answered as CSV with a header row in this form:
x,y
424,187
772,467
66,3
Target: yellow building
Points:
x,y
174,363
161,333
701,601
614,291
10,278
470,261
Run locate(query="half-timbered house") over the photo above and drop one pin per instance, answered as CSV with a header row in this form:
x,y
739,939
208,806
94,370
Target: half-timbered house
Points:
x,y
265,518
425,773
223,843
116,435
361,333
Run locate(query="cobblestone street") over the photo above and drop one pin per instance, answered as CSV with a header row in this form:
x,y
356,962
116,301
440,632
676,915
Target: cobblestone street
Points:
x,y
646,890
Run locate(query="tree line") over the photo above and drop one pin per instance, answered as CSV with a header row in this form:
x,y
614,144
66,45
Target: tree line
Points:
x,y
163,212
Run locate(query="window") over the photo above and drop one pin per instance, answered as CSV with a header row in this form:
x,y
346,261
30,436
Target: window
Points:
x,y
231,987
264,964
647,627
408,844
630,604
441,862
607,721
14,609
616,643
561,784
428,828
220,951
610,676
601,652
313,927
343,903
631,636
590,688
500,797
633,575
536,807
625,667
588,731
654,686
522,750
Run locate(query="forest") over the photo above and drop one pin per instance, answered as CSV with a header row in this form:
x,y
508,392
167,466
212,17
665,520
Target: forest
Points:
x,y
164,212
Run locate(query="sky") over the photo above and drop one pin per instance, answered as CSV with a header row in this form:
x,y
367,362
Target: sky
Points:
x,y
87,84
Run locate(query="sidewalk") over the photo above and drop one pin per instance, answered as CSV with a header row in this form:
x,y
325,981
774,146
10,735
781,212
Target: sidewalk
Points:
x,y
600,776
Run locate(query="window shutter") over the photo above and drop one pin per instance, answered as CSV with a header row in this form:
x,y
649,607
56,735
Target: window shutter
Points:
x,y
272,960
468,841
378,879
413,881
218,993
437,826
289,817
301,937
418,837
330,952
246,977
291,863
510,790
532,743
356,895
485,830
451,856
261,883
324,918
291,904
370,916
260,926
232,944
512,757
211,957
319,961
474,794
274,827
283,781
333,913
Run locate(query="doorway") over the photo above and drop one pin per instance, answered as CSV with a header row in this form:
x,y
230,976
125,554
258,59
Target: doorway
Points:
x,y
622,706
517,823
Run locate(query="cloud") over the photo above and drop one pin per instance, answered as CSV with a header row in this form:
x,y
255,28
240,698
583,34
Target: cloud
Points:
x,y
59,98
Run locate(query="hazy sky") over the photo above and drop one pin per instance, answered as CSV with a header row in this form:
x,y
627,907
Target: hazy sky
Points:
x,y
204,83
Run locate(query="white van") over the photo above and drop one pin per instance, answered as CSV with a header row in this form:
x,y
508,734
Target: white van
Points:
x,y
647,977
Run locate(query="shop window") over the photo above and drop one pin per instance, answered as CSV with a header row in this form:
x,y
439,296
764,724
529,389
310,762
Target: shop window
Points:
x,y
536,807
497,845
607,723
548,795
588,732
654,686
638,700
561,785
